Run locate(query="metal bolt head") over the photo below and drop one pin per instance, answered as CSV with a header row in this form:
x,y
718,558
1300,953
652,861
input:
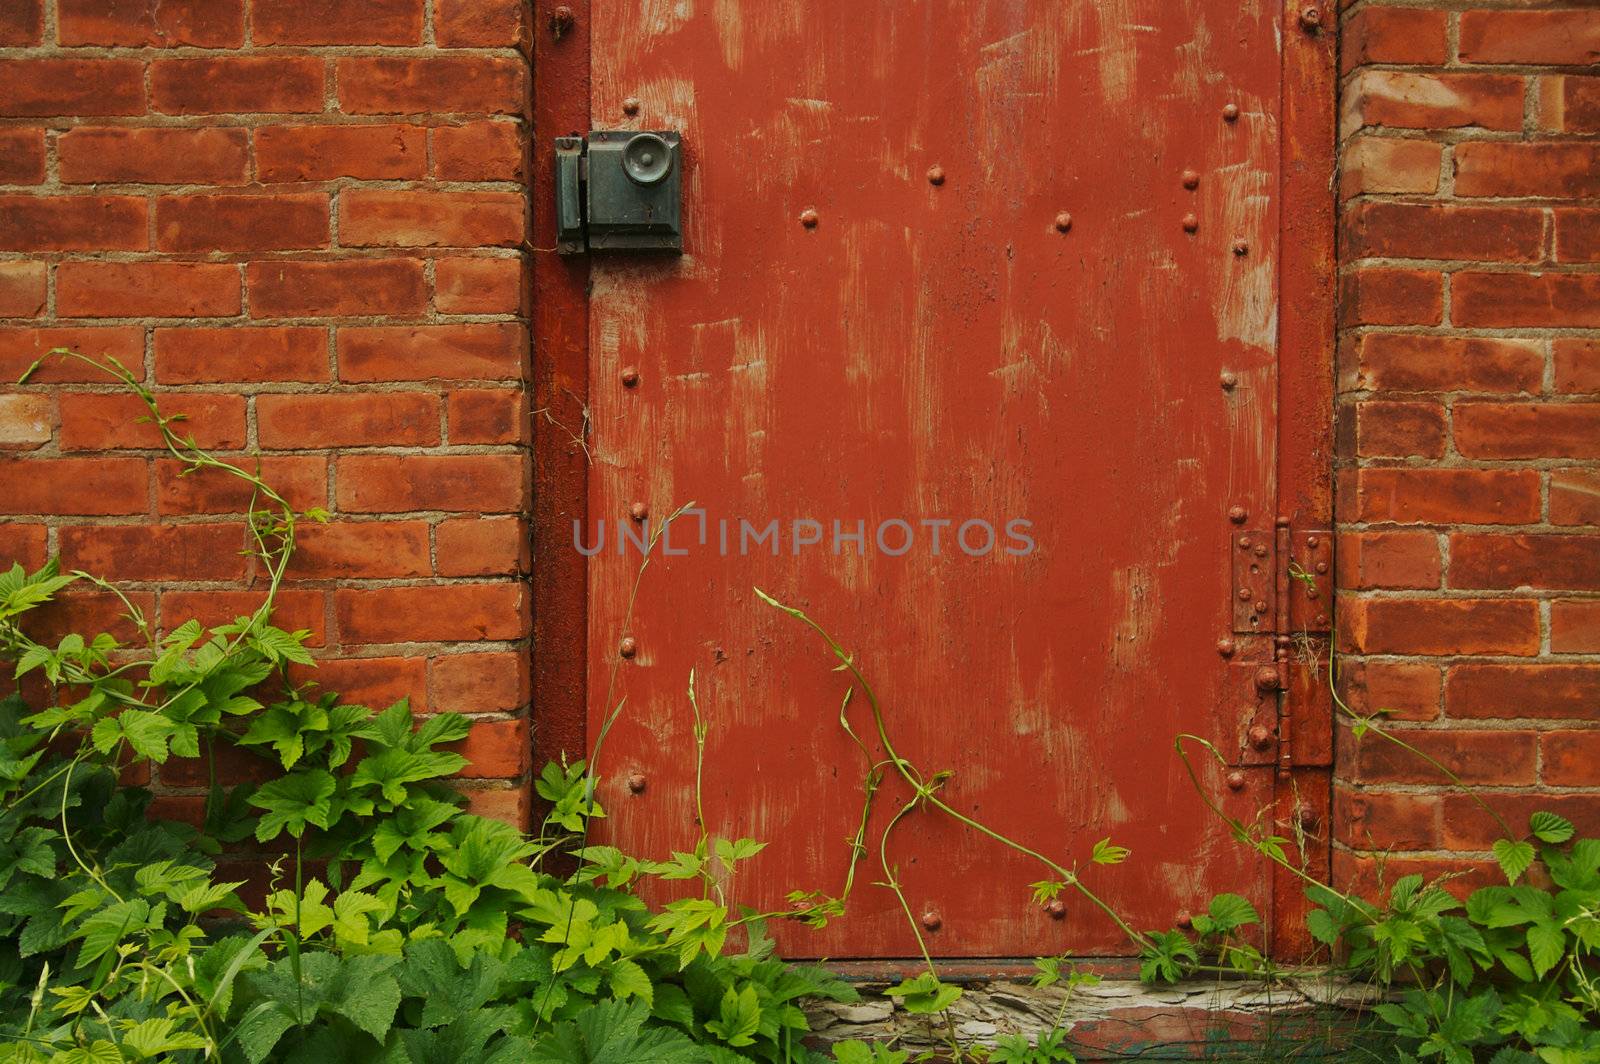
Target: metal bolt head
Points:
x,y
1055,908
630,377
1237,514
1191,179
1235,781
1241,247
1309,820
1229,381
1226,647
1311,592
636,783
1244,594
628,647
639,511
1260,737
1230,112
1261,550
1268,679
931,920
1312,541
630,106
1244,542
1184,920
1322,567
1191,223
561,21
1310,18
1063,222
808,218
1261,606
935,175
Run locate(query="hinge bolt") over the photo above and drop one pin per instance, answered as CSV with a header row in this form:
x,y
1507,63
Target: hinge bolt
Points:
x,y
628,647
1311,592
1235,781
630,377
1063,222
1268,679
1237,514
1322,567
1226,647
1261,606
1230,112
1191,179
636,782
1055,908
1260,737
1309,821
1310,19
1191,223
630,106
1244,594
935,175
561,21
1244,542
1261,550
931,920
808,218
1312,541
1230,381
1184,920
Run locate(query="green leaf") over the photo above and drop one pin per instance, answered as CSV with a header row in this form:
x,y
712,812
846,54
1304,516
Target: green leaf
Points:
x,y
612,1032
1105,853
738,1018
292,802
1546,946
1514,857
1229,912
1548,827
626,979
924,993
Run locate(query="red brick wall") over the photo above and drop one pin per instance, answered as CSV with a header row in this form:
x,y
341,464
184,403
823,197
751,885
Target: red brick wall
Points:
x,y
1469,378
301,223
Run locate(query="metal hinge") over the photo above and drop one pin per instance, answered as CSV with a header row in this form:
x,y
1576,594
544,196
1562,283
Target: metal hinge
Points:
x,y
1282,591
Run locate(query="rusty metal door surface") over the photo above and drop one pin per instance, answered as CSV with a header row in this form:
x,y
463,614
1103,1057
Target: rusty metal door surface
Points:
x,y
949,260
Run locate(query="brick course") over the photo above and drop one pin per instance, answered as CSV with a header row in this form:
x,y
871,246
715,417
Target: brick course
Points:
x,y
302,224
1470,425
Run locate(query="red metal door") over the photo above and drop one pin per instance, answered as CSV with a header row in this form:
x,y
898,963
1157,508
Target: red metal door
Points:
x,y
962,261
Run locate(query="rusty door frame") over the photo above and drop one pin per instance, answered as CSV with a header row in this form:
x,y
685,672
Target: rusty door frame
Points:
x,y
560,336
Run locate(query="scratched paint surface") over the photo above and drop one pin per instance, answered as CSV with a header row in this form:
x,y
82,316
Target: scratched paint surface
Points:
x,y
942,352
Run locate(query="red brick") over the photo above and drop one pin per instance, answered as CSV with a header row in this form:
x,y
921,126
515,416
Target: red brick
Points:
x,y
25,420
277,222
100,154
1374,820
483,546
436,613
1432,100
1389,560
135,23
288,84
436,85
487,483
390,218
1392,297
377,682
1450,626
22,289
89,612
1575,627
21,156
478,151
1569,104
322,153
513,804
1471,496
1400,690
241,353
1479,757
1389,164
1514,691
347,419
1467,826
147,289
1528,430
478,285
300,479
1552,37
1442,231
21,348
1384,428
495,749
1577,235
22,545
96,422
72,87
21,23
492,351
1567,563
293,610
1393,35
1563,169
233,764
1401,362
156,552
481,683
1574,497
367,549
1511,300
336,289
489,415
1571,758
73,223
336,21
